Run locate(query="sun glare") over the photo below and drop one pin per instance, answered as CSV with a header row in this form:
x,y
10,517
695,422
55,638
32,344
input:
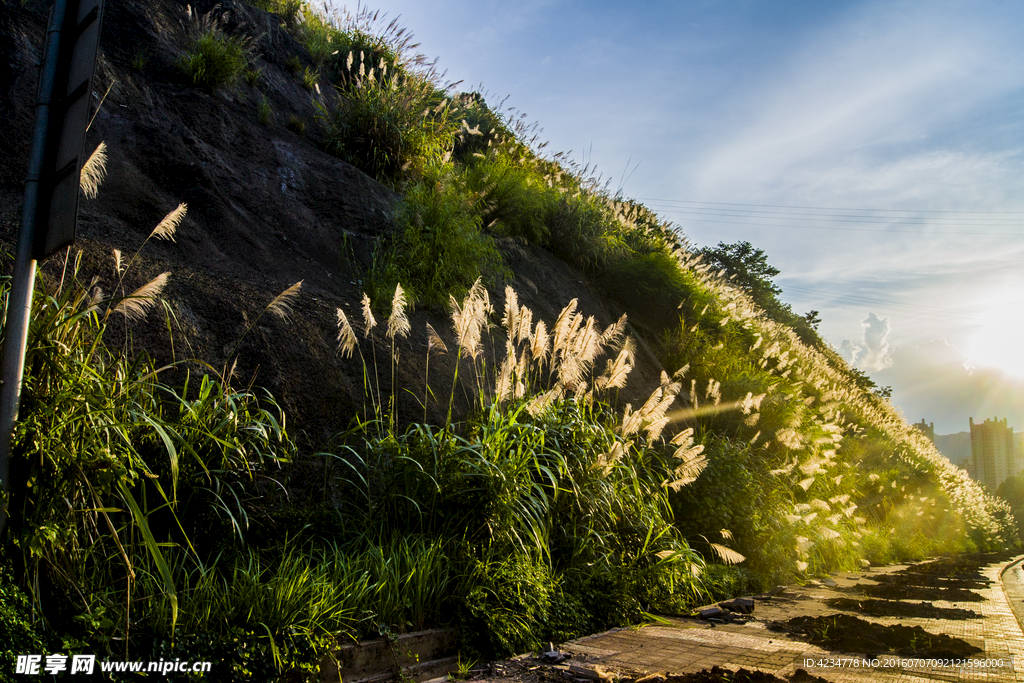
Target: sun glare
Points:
x,y
998,340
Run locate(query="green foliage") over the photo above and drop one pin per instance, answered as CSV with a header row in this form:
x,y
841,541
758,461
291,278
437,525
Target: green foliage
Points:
x,y
438,248
253,76
386,129
102,444
309,78
20,630
508,604
582,234
513,199
214,59
738,493
287,9
1012,491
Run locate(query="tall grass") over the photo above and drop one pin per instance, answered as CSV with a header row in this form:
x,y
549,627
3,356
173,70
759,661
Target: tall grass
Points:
x,y
214,58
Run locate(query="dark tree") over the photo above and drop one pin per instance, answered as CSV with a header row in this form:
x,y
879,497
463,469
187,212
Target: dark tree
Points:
x,y
746,267
813,319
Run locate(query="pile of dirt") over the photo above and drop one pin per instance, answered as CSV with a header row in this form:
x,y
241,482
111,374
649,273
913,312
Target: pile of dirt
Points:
x,y
845,633
896,608
946,578
897,591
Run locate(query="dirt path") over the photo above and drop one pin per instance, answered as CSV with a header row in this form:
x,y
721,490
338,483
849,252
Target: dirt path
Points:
x,y
944,620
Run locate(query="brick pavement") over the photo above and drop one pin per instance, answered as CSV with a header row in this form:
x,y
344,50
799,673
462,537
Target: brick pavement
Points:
x,y
688,645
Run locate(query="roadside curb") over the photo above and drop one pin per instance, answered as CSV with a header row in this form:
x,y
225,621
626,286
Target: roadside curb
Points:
x,y
1008,565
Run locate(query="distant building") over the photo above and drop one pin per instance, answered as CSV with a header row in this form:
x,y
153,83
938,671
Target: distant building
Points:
x,y
928,429
995,454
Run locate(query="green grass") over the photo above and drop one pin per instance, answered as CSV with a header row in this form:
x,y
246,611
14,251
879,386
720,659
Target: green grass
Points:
x,y
215,60
387,130
438,248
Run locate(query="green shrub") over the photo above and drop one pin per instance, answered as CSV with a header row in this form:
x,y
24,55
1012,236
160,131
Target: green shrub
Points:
x,y
387,129
582,232
288,9
20,630
508,604
513,199
438,248
215,60
651,286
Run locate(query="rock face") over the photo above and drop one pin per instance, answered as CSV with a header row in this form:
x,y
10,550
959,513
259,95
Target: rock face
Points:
x,y
266,209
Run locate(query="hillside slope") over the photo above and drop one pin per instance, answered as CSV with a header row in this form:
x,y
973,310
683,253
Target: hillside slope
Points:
x,y
267,208
579,421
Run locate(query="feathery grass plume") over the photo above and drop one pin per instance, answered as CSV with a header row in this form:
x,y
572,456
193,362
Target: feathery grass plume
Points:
x,y
614,333
469,318
398,322
511,318
563,327
503,383
727,555
525,324
369,322
281,306
136,305
94,171
347,341
95,299
539,343
117,263
434,340
606,461
587,342
616,371
538,404
165,229
692,460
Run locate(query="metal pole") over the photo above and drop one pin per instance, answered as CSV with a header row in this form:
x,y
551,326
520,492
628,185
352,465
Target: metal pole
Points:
x,y
19,302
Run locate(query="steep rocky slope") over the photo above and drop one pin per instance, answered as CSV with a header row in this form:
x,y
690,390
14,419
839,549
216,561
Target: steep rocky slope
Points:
x,y
266,209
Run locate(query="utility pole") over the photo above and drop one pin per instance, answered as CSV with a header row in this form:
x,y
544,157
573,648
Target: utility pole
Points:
x,y
50,209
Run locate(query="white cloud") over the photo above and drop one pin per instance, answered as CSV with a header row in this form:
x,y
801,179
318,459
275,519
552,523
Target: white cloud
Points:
x,y
873,351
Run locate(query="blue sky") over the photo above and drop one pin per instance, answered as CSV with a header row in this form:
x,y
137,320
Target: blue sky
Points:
x,y
722,116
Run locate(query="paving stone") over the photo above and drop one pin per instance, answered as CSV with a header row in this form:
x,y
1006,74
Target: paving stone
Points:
x,y
688,645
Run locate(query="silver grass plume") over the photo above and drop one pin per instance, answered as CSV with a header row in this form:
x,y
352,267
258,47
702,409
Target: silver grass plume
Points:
x,y
562,326
613,334
727,555
434,340
369,322
165,228
511,318
525,324
94,171
117,262
398,322
469,318
539,343
346,335
137,304
281,306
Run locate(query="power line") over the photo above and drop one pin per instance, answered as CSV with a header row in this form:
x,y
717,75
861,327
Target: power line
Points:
x,y
866,301
821,208
846,218
844,229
